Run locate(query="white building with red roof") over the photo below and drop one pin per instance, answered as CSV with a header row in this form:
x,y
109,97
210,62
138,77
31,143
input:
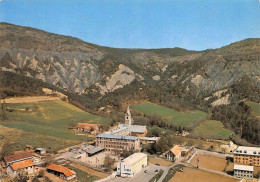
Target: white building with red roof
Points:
x,y
19,163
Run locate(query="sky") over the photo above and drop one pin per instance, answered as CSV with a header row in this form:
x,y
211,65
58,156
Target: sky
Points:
x,y
189,24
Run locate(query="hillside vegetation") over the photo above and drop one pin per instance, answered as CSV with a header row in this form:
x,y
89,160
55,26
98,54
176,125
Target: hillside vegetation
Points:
x,y
171,116
255,107
212,129
100,79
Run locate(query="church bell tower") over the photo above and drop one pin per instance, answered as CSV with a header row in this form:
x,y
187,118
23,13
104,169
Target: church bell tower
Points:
x,y
128,117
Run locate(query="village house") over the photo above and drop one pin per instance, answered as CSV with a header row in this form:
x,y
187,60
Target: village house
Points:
x,y
61,171
93,129
247,156
174,153
19,163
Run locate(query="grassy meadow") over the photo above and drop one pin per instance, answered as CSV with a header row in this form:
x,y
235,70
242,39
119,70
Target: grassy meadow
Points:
x,y
47,124
212,128
169,115
255,107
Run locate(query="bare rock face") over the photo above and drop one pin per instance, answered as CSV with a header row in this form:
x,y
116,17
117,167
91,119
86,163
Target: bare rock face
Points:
x,y
123,76
73,72
76,66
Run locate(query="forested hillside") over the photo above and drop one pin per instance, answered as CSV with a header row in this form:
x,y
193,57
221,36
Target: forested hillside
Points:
x,y
95,77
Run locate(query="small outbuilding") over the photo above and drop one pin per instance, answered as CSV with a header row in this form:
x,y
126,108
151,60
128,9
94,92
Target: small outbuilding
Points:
x,y
40,150
61,171
94,151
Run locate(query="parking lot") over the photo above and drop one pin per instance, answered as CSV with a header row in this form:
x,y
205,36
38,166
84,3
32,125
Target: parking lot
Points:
x,y
141,175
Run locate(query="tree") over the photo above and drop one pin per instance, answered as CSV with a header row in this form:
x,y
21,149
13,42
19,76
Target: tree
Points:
x,y
162,145
27,109
6,149
170,141
180,129
156,131
125,153
73,123
3,108
109,163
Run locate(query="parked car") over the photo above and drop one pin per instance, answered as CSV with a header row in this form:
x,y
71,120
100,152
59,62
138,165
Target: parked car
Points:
x,y
157,164
145,171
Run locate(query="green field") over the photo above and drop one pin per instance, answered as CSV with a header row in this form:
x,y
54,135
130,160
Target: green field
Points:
x,y
169,115
212,128
82,176
47,124
255,107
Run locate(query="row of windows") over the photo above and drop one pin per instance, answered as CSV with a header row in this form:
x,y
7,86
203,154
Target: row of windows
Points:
x,y
237,170
244,175
112,139
118,143
121,147
247,159
121,143
237,155
112,150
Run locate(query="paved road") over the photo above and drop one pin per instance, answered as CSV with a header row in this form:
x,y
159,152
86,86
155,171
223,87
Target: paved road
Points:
x,y
141,175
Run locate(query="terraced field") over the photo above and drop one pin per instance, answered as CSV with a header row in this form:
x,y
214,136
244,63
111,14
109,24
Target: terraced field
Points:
x,y
169,115
46,124
212,128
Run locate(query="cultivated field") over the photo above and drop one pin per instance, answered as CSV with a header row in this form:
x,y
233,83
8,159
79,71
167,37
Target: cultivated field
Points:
x,y
212,128
256,108
46,125
29,99
170,115
211,162
90,171
196,175
82,175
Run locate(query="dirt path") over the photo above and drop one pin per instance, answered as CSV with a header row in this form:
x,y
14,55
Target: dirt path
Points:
x,y
90,171
29,99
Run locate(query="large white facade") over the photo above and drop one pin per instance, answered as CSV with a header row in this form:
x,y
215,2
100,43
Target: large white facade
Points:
x,y
131,165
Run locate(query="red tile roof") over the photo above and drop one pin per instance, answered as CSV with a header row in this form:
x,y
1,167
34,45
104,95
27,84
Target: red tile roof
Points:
x,y
18,156
176,150
22,164
66,171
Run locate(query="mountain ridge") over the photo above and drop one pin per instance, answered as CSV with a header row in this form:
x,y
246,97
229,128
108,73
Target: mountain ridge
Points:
x,y
80,67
